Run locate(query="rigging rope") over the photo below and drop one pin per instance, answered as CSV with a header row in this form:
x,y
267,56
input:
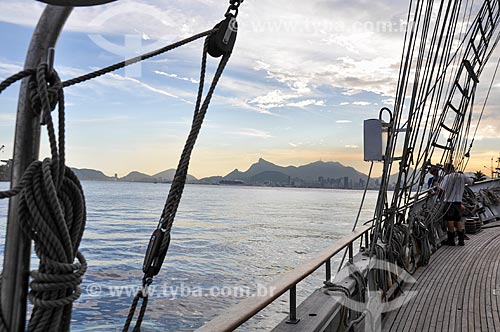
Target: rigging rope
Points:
x,y
160,240
485,102
359,213
220,43
131,61
437,51
428,84
52,204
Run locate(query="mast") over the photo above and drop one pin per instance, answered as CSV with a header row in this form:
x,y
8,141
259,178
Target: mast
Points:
x,y
434,100
14,289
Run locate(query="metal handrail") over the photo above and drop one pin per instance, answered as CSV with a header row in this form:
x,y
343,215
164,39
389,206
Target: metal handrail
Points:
x,y
246,309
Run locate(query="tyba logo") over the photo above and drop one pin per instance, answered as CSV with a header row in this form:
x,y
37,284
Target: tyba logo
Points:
x,y
120,19
374,306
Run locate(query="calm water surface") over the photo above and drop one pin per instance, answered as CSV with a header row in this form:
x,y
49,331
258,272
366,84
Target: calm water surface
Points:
x,y
225,240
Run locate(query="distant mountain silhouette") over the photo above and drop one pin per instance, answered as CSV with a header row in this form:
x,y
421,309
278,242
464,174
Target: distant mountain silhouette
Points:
x,y
310,172
327,170
234,175
270,176
86,174
134,176
164,176
317,174
259,167
168,176
211,180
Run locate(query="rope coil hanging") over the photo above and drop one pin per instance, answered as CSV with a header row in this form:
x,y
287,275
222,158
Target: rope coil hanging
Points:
x,y
51,212
52,204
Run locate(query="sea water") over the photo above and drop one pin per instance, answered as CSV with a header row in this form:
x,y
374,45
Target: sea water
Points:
x,y
227,243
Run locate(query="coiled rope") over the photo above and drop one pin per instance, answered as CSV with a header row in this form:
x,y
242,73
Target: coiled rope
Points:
x,y
51,200
51,213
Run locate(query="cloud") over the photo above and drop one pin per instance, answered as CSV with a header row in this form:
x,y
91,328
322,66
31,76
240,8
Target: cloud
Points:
x,y
124,83
278,98
389,101
273,99
287,47
146,86
192,80
151,20
361,103
351,92
8,69
7,116
7,120
103,119
250,133
120,82
307,102
486,131
20,12
351,146
297,84
236,102
309,55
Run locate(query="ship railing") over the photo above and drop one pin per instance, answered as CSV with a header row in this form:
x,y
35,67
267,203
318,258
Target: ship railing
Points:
x,y
235,316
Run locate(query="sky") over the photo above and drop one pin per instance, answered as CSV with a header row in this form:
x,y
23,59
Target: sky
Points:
x,y
302,78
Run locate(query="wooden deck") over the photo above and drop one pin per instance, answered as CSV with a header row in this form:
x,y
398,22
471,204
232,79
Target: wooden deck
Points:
x,y
458,291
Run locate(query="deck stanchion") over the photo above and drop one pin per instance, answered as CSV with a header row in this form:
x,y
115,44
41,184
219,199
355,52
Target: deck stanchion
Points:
x,y
351,254
328,267
26,149
293,306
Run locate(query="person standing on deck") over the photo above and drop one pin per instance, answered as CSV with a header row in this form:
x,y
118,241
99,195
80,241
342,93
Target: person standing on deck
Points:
x,y
453,186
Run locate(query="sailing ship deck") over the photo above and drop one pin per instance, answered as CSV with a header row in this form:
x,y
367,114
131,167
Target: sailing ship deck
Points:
x,y
458,291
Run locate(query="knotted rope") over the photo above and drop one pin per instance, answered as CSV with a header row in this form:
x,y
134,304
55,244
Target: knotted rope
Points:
x,y
51,213
52,204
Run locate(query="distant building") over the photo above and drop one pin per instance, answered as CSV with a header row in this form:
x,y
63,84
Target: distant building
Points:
x,y
346,182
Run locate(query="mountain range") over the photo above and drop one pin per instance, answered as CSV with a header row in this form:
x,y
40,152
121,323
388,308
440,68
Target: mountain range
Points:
x,y
263,172
318,174
309,172
95,175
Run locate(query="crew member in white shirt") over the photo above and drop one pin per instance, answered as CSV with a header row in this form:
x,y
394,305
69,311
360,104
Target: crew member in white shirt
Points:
x,y
453,185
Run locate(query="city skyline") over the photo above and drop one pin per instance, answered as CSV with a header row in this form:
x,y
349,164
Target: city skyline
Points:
x,y
301,81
